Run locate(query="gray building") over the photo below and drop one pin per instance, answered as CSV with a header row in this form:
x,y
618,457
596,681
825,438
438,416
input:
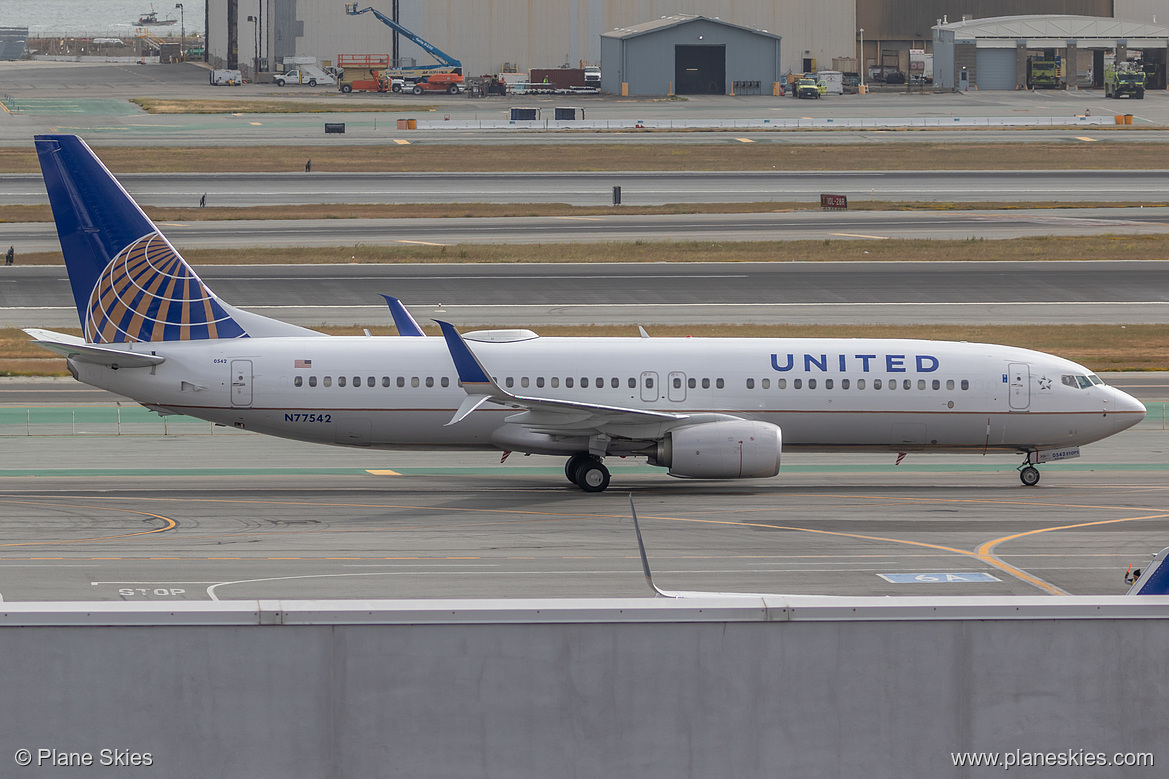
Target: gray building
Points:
x,y
687,54
994,53
13,41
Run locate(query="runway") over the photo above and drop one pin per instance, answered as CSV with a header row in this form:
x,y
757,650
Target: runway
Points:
x,y
236,515
771,226
1121,292
637,187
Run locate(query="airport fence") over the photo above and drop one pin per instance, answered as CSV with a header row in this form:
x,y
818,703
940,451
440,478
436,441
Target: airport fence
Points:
x,y
102,420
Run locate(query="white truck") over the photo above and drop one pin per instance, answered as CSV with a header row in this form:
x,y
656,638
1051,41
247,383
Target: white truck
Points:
x,y
312,75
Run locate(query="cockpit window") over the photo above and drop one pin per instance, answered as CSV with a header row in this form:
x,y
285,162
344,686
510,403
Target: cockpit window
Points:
x,y
1095,379
1080,382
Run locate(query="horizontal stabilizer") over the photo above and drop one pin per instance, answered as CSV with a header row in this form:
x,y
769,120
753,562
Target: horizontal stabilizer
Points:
x,y
76,349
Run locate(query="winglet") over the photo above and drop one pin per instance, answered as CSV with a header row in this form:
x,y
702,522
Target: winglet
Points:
x,y
1155,580
402,319
649,578
472,375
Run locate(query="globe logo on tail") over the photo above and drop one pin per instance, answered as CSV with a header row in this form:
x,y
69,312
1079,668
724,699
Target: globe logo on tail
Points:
x,y
149,293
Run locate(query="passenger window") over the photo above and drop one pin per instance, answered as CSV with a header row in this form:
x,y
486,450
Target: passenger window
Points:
x,y
678,383
811,384
632,383
706,383
907,384
584,382
766,384
340,381
649,382
429,381
844,383
965,384
781,383
600,382
568,382
298,381
750,383
719,384
413,381
446,382
860,384
540,381
615,383
892,384
401,381
555,382
312,381
949,384
936,384
921,384
385,381
509,382
876,384
797,383
524,382
691,383
827,383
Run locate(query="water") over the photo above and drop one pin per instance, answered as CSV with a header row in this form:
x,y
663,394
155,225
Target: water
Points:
x,y
95,18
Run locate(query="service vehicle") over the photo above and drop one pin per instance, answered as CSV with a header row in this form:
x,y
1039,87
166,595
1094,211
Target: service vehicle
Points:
x,y
303,75
807,87
451,83
1125,80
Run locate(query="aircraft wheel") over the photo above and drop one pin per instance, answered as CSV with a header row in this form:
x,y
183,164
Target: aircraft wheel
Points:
x,y
574,462
592,476
1029,476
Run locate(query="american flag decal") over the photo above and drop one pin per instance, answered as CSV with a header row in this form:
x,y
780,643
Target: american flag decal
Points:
x,y
303,364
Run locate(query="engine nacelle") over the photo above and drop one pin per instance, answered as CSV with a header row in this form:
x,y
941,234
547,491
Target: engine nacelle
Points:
x,y
722,450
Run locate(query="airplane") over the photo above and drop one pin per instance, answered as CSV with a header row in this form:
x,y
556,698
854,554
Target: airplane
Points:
x,y
701,408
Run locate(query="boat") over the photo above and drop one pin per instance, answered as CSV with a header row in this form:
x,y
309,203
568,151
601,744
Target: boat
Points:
x,y
151,20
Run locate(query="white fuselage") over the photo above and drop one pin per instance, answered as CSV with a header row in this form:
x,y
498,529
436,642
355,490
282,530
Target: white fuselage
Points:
x,y
833,394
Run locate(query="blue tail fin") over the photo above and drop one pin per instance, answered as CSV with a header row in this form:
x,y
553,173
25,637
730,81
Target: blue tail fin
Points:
x,y
1155,580
128,282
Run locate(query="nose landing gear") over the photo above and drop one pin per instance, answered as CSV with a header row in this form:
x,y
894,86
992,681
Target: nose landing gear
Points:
x,y
587,472
1029,475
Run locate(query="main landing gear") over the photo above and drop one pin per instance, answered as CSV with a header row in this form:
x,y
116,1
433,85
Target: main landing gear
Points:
x,y
1029,475
587,472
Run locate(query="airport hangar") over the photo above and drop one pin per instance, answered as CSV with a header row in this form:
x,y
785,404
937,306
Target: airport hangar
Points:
x,y
527,34
993,53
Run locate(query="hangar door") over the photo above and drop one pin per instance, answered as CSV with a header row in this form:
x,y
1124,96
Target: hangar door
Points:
x,y
700,70
995,68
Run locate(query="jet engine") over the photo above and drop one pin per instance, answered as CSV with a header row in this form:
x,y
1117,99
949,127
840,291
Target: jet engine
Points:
x,y
740,449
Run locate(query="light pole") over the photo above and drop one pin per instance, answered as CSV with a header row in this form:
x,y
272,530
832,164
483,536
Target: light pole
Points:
x,y
861,63
256,36
182,32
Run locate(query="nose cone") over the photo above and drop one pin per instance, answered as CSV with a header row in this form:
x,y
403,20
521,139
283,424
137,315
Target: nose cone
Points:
x,y
1128,410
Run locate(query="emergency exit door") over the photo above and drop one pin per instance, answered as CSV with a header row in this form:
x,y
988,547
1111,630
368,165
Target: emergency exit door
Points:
x,y
241,383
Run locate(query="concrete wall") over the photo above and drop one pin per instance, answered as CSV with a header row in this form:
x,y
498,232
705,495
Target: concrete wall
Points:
x,y
751,687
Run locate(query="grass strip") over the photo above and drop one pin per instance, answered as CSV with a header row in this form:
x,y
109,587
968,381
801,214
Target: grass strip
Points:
x,y
1035,248
778,154
42,213
1099,347
278,106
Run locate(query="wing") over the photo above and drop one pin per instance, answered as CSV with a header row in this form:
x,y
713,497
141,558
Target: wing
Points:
x,y
551,415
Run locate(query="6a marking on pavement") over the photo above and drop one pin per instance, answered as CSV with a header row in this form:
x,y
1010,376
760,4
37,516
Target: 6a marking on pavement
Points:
x,y
382,472
1085,138
966,577
422,243
744,140
859,235
401,142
